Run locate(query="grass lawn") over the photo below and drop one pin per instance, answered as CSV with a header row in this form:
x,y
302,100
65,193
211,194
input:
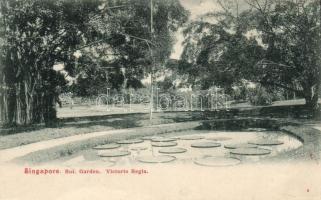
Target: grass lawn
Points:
x,y
84,110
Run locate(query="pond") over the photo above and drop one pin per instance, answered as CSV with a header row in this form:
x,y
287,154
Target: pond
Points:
x,y
194,147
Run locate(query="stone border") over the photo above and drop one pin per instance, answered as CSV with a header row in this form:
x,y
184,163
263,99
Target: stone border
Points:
x,y
309,151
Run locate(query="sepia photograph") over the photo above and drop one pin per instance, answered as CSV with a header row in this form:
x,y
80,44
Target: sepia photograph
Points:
x,y
160,99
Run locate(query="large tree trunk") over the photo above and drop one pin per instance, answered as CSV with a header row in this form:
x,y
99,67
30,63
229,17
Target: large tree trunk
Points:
x,y
311,95
20,104
3,105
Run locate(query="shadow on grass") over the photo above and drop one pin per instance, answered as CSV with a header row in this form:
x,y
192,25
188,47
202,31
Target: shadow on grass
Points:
x,y
100,123
125,121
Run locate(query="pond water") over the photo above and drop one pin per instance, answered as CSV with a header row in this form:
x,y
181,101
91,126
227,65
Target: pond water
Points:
x,y
199,148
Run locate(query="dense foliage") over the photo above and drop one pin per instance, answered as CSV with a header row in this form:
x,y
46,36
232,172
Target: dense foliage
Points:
x,y
87,38
273,43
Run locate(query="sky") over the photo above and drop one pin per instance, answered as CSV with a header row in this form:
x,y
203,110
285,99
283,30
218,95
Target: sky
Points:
x,y
199,7
196,8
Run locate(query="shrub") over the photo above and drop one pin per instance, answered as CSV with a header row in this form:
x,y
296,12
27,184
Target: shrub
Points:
x,y
258,96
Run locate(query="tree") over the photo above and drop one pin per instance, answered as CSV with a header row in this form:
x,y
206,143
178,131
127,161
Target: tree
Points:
x,y
35,36
283,51
126,55
38,34
291,31
137,42
219,53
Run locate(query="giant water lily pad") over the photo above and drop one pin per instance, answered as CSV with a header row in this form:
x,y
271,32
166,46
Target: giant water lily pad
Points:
x,y
172,150
191,137
218,138
131,141
114,153
217,161
205,144
250,151
164,144
267,142
163,139
237,146
156,159
107,146
150,137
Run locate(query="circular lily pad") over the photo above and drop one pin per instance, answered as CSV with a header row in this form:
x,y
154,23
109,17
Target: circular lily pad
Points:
x,y
114,153
138,148
164,144
172,150
150,137
156,159
131,141
218,138
205,145
266,142
237,146
250,151
191,137
217,161
163,139
107,146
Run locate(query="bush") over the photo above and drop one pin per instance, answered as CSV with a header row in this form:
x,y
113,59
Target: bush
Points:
x,y
258,96
240,93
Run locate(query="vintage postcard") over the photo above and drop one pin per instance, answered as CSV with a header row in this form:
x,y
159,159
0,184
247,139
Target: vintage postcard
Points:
x,y
160,99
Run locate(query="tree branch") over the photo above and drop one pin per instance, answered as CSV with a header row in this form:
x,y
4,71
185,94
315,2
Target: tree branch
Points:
x,y
280,86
